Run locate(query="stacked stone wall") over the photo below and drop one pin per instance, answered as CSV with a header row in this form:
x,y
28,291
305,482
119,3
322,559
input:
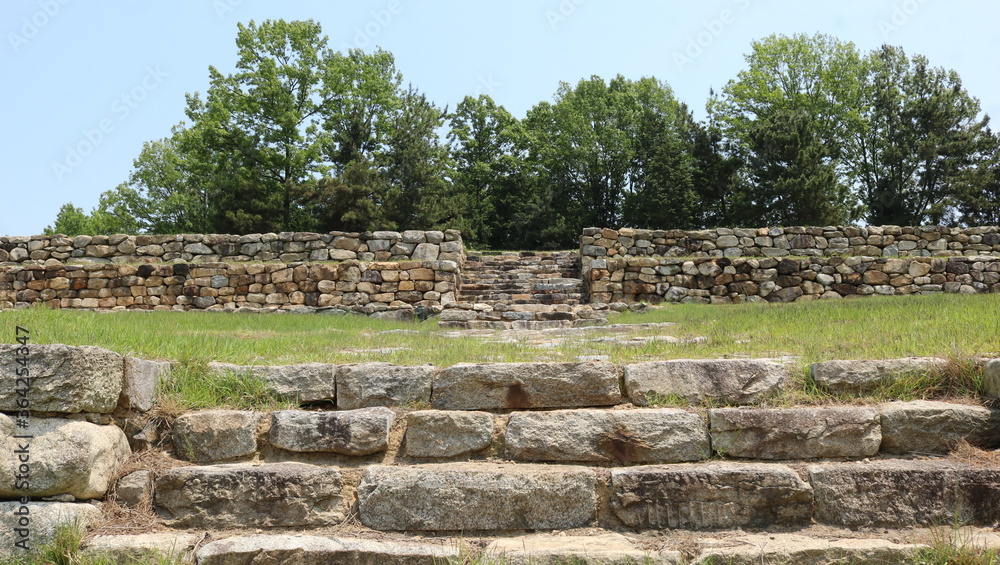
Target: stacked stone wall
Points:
x,y
874,241
368,288
286,247
723,280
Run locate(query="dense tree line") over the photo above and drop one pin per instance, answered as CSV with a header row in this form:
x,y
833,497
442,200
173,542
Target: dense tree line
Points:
x,y
812,132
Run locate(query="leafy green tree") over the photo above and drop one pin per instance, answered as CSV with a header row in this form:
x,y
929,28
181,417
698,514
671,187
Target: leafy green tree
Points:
x,y
71,221
919,137
716,173
808,87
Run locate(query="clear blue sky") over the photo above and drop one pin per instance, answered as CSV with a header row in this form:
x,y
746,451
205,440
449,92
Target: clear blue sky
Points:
x,y
110,75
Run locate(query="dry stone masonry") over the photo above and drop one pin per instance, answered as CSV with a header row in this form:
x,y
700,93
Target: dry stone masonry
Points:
x,y
514,447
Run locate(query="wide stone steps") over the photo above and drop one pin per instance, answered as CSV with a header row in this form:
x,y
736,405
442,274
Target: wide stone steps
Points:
x,y
522,278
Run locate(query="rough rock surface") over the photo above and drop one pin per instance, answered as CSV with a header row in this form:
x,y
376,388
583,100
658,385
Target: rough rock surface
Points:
x,y
134,487
44,518
447,433
139,386
795,549
64,457
477,496
795,433
739,381
902,493
710,495
64,378
991,378
667,435
924,426
310,382
865,374
216,435
382,384
241,496
133,548
601,549
501,386
350,432
299,549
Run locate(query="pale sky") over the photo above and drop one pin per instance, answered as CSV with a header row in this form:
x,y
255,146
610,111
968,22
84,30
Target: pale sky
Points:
x,y
101,78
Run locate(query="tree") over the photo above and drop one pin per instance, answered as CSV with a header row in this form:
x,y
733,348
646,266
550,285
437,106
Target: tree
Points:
x,y
263,125
808,88
920,134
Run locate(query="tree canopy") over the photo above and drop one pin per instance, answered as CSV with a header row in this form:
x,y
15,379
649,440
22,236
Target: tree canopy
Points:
x,y
812,131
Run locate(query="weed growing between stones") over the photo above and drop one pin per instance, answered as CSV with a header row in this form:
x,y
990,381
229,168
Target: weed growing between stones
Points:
x,y
65,549
192,387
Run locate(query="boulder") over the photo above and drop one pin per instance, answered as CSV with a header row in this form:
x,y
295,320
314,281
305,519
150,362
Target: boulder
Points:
x,y
710,495
350,432
737,381
442,433
866,374
272,495
795,433
134,488
924,426
309,382
500,386
64,457
64,378
477,496
382,384
667,435
216,435
302,549
44,518
904,494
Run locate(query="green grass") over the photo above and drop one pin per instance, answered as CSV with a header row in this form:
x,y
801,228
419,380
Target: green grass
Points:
x,y
875,328
64,549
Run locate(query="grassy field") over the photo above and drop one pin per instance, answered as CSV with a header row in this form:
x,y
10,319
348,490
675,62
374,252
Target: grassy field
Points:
x,y
942,325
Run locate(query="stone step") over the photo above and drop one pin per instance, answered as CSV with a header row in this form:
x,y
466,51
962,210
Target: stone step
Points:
x,y
596,547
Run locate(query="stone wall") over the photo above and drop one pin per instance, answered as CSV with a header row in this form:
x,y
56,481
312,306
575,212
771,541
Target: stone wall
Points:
x,y
369,288
286,247
873,241
723,280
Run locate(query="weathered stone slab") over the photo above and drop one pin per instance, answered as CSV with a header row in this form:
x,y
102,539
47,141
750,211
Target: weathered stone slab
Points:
x,y
795,433
44,518
246,496
139,386
351,432
924,426
865,374
667,435
991,378
64,378
447,433
738,381
300,549
547,549
140,547
477,496
64,457
382,384
903,493
216,435
310,382
797,549
501,386
134,488
710,495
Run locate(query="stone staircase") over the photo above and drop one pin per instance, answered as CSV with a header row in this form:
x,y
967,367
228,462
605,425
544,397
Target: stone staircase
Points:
x,y
537,463
522,290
